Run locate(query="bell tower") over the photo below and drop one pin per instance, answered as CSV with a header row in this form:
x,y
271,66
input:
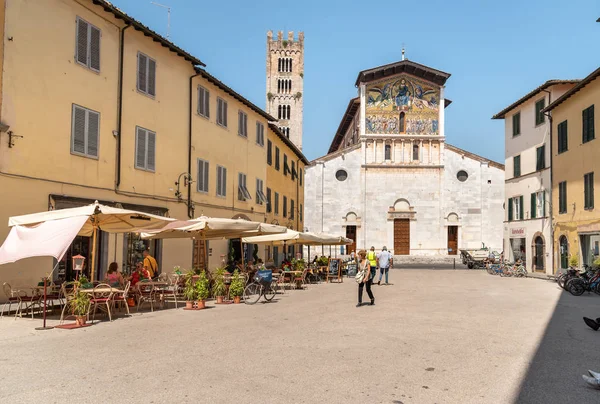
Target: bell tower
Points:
x,y
285,83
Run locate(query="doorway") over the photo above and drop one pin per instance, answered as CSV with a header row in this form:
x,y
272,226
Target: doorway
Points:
x,y
351,234
538,256
452,240
401,237
564,252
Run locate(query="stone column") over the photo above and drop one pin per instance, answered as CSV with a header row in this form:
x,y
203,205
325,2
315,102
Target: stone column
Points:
x,y
410,150
393,150
420,151
402,153
374,151
430,151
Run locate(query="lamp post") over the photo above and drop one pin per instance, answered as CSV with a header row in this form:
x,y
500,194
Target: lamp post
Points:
x,y
78,261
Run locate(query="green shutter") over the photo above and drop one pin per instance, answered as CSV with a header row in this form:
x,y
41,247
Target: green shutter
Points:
x,y
521,208
510,209
533,206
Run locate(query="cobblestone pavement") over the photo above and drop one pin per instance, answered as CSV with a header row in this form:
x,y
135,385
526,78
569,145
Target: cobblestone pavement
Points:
x,y
432,337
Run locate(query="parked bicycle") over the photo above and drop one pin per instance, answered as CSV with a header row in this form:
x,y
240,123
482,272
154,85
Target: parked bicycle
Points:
x,y
262,285
589,281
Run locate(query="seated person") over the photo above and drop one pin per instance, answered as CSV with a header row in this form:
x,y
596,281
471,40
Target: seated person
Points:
x,y
113,276
239,266
138,274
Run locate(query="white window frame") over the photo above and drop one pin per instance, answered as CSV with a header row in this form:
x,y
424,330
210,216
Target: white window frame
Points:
x,y
260,134
88,56
206,174
86,133
145,167
221,181
242,124
221,112
206,112
148,59
516,208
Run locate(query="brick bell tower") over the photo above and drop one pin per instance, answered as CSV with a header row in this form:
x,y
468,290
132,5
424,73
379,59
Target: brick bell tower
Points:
x,y
285,83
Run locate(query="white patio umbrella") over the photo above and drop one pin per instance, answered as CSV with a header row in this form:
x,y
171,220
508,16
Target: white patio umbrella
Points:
x,y
208,228
106,218
289,237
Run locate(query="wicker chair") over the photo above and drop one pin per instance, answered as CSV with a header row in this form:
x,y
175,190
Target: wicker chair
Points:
x,y
122,297
145,294
12,297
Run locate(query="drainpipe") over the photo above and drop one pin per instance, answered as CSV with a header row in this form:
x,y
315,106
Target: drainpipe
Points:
x,y
120,107
549,115
189,182
298,196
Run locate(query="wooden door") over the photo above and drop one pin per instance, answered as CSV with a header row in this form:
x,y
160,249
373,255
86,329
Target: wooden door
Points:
x,y
401,237
452,240
351,234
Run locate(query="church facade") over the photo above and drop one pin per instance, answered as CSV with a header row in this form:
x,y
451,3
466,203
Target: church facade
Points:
x,y
391,179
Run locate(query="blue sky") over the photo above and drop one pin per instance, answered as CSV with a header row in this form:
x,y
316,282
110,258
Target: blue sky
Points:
x,y
496,51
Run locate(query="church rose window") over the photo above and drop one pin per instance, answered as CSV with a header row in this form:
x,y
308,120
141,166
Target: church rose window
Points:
x,y
341,175
462,176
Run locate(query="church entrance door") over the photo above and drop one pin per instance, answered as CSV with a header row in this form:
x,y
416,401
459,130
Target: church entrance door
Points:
x,y
401,236
351,234
452,240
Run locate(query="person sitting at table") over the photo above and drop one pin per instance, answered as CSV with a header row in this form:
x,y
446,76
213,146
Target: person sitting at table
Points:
x,y
138,274
239,266
113,276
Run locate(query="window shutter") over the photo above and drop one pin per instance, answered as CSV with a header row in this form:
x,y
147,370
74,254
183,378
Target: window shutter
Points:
x,y
510,210
151,77
224,182
521,207
533,205
78,130
95,49
200,101
206,103
92,133
218,180
200,175
591,123
140,148
82,41
142,62
151,160
206,171
224,113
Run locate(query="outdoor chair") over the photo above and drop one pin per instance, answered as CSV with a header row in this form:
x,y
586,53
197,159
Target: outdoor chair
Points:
x,y
301,278
146,295
174,291
122,297
23,300
12,298
101,299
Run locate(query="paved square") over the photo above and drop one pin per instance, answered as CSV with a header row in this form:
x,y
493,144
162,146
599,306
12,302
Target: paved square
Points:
x,y
432,337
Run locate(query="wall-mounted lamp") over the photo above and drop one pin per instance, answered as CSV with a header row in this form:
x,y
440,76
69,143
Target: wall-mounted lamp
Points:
x,y
187,180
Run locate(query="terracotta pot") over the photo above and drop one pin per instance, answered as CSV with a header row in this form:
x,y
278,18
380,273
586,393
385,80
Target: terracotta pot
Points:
x,y
201,304
236,299
130,302
189,305
219,299
80,320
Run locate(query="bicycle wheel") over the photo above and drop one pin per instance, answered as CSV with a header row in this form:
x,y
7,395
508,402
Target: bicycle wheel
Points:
x,y
270,292
561,280
576,287
252,293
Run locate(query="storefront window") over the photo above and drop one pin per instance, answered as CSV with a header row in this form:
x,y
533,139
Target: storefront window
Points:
x,y
134,251
517,246
590,248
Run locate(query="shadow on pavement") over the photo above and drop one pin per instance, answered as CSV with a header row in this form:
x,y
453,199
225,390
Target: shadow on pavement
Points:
x,y
567,350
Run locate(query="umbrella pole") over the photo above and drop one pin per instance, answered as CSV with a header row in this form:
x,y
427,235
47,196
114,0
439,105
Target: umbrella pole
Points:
x,y
46,299
242,250
93,254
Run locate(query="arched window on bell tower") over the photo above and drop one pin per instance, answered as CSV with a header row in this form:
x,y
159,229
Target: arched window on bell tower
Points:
x,y
402,122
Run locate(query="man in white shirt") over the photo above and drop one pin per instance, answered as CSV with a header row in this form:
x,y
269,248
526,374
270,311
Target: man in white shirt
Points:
x,y
384,261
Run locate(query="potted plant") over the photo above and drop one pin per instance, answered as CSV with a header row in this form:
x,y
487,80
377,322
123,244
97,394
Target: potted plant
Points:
x,y
219,287
85,283
236,289
189,291
79,307
202,290
574,261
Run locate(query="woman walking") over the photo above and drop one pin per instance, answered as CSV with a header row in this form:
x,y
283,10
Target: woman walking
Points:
x,y
367,280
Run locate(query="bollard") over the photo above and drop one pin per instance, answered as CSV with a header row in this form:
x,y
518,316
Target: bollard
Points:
x,y
454,262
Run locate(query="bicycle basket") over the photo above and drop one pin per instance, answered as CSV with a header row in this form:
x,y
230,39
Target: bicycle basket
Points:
x,y
264,276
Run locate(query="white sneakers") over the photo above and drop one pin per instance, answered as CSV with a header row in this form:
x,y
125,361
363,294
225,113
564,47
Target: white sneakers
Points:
x,y
594,380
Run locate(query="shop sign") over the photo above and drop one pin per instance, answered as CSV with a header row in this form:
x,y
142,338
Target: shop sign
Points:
x,y
517,232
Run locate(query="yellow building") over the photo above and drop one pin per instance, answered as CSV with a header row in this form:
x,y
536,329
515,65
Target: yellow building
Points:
x,y
574,165
285,186
95,106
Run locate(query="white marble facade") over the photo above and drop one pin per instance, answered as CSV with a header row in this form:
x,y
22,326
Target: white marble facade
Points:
x,y
420,185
